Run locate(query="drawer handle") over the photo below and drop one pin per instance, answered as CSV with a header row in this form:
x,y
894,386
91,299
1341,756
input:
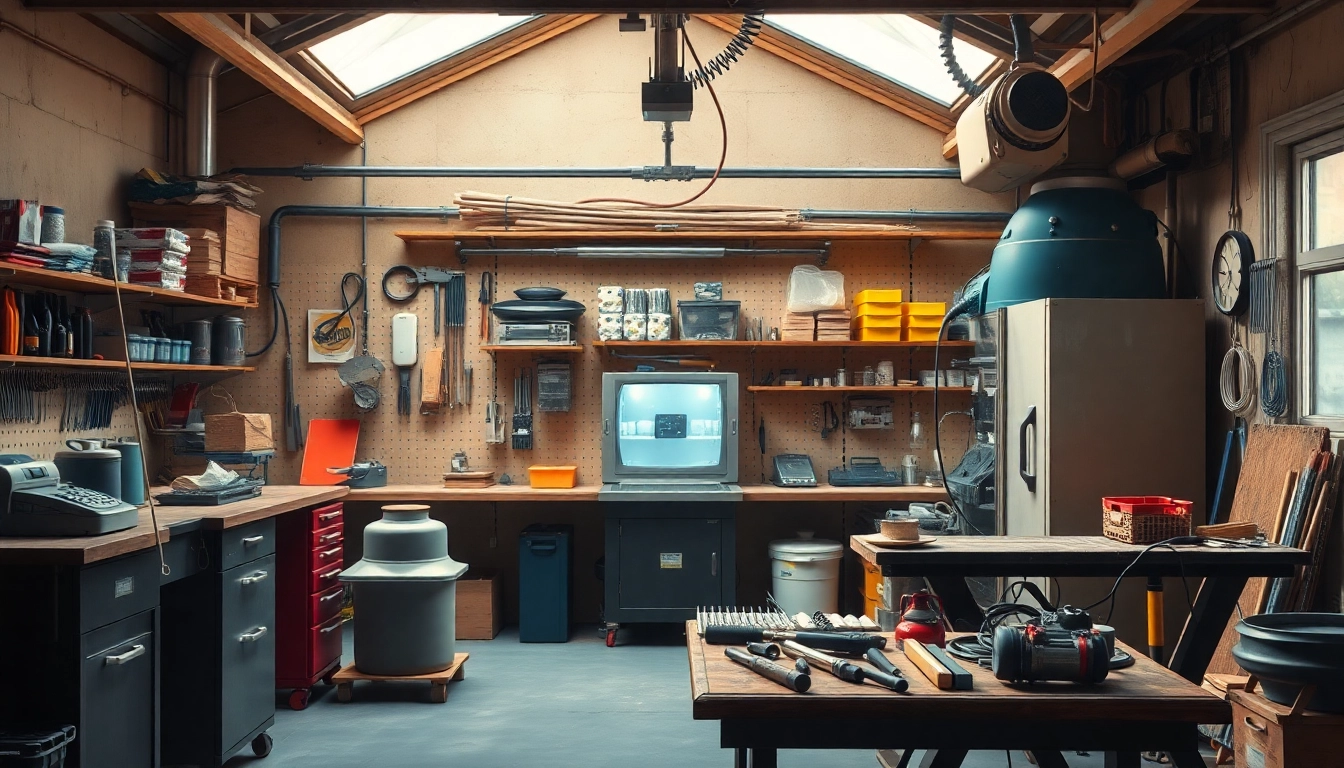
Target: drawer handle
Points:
x,y
332,628
1254,726
329,515
329,536
253,636
332,596
250,540
329,574
136,652
330,552
254,578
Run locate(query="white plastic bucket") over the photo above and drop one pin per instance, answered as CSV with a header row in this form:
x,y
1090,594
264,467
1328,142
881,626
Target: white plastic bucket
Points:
x,y
805,574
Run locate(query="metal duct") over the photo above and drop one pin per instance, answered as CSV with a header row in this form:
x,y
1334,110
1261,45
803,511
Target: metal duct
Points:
x,y
338,211
202,77
651,173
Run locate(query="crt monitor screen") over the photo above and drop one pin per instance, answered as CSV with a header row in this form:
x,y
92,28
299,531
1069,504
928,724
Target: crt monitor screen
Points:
x,y
670,425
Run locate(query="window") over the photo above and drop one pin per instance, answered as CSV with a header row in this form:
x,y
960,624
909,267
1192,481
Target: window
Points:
x,y
895,47
393,46
1319,269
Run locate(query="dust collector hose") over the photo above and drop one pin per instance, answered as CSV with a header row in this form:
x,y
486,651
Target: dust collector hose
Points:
x,y
737,47
954,69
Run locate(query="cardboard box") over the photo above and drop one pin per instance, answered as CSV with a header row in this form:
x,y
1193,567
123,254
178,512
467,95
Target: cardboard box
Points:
x,y
239,231
480,607
238,432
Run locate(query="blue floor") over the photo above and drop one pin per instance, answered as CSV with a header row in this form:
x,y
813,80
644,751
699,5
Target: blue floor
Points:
x,y
575,704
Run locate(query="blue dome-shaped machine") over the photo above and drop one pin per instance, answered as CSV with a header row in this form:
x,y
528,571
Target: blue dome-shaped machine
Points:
x,y
1074,237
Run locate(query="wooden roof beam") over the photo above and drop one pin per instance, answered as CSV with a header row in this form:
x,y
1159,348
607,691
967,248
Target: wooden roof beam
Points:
x,y
225,37
936,7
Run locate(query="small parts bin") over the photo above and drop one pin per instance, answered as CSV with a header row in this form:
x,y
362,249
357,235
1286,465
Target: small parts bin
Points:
x,y
405,594
544,583
1144,519
709,320
539,476
35,748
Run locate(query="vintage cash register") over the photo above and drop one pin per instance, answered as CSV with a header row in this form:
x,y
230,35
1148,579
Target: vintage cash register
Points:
x,y
37,503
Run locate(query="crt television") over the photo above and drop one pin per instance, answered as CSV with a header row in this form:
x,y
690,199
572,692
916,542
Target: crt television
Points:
x,y
669,427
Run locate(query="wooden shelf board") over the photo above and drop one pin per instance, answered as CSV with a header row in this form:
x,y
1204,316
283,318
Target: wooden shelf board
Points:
x,y
588,493
556,349
88,284
120,365
475,238
691,344
871,390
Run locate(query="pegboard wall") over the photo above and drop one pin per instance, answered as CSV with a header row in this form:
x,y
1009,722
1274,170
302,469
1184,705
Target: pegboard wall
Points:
x,y
417,448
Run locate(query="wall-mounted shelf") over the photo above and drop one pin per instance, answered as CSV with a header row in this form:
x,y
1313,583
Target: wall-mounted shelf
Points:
x,y
478,238
702,345
554,349
868,390
88,284
118,365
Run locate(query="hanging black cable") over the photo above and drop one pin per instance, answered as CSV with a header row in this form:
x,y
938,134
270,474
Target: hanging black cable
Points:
x,y
325,331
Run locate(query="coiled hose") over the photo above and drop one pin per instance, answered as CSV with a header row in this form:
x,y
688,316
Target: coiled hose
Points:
x,y
1022,50
737,47
1236,381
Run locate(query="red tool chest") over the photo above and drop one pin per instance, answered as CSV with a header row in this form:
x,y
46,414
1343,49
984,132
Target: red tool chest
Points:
x,y
310,548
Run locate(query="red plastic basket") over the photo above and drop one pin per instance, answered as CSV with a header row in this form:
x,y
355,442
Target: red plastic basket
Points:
x,y
1144,519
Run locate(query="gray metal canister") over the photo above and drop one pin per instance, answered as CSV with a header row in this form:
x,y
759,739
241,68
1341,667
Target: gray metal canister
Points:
x,y
230,341
405,594
199,334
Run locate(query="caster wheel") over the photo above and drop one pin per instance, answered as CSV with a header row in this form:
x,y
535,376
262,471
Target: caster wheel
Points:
x,y
298,699
343,693
611,638
261,746
326,679
438,693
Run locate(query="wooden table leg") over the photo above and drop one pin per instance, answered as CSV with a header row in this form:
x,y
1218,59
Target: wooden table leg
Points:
x,y
764,758
1214,603
1122,760
958,603
740,758
943,758
1048,758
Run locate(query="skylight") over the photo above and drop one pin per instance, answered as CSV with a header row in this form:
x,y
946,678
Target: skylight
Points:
x,y
898,48
390,47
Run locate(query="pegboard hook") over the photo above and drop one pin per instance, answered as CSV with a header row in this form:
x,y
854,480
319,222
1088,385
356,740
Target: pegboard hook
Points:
x,y
825,255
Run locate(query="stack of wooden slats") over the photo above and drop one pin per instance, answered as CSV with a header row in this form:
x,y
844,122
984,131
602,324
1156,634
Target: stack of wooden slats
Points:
x,y
833,325
491,212
798,326
206,257
1305,515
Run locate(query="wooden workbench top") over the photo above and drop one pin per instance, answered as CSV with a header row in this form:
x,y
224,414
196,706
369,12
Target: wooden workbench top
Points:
x,y
823,493
722,689
82,550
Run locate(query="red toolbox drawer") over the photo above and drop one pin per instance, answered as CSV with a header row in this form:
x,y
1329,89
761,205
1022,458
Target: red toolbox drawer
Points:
x,y
325,537
325,605
324,579
322,557
326,645
325,517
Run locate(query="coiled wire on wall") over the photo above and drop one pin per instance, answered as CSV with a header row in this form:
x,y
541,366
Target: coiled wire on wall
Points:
x,y
1236,380
737,47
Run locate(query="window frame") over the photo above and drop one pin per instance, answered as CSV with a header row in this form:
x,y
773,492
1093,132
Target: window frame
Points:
x,y
1308,263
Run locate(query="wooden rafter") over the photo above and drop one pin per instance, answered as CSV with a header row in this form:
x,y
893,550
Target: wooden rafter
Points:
x,y
844,74
227,38
570,6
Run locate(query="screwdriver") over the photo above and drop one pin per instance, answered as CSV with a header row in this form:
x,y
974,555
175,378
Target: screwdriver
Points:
x,y
791,679
847,671
886,674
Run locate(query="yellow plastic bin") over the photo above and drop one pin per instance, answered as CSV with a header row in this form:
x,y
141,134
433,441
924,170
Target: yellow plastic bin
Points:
x,y
878,309
879,296
922,321
882,334
539,476
920,334
938,308
879,321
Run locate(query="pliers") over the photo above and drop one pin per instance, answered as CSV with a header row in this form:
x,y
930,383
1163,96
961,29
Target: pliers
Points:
x,y
416,277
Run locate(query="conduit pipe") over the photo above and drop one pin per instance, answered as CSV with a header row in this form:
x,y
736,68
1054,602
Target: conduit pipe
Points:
x,y
652,173
202,77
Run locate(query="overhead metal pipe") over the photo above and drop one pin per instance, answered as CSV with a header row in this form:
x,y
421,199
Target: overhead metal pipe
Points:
x,y
643,252
651,172
340,211
202,77
907,217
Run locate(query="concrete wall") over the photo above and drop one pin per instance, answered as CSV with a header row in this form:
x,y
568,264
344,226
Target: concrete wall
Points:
x,y
1289,69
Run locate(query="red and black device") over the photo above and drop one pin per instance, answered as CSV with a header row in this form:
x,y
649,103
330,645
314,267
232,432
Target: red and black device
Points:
x,y
1047,650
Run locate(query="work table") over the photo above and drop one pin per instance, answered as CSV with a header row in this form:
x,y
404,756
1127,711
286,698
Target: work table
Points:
x,y
755,492
83,550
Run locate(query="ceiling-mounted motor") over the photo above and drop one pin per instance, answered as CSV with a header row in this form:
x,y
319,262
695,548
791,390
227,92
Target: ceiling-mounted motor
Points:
x,y
1017,127
667,96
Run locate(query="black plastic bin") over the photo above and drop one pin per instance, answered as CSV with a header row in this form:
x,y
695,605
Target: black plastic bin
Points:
x,y
35,748
544,583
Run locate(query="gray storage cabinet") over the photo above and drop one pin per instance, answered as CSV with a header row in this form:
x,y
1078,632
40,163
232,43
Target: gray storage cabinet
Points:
x,y
102,679
663,559
545,583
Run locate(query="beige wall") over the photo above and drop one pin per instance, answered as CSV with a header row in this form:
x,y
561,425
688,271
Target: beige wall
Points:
x,y
574,101
71,138
1291,68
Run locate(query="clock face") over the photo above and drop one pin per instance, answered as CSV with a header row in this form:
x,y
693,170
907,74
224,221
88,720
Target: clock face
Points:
x,y
1231,269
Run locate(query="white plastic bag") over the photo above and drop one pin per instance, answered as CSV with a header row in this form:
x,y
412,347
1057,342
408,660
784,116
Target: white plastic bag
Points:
x,y
811,289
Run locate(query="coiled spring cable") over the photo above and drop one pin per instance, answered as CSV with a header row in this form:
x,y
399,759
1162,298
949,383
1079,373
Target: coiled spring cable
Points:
x,y
737,47
1236,381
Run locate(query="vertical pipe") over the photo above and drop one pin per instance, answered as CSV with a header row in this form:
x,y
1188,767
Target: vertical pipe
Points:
x,y
202,76
1157,631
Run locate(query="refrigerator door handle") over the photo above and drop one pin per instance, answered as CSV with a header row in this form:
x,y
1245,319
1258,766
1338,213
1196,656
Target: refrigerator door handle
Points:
x,y
1029,422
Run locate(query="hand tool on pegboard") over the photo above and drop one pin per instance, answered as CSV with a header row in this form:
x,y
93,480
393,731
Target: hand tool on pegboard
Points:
x,y
485,297
522,411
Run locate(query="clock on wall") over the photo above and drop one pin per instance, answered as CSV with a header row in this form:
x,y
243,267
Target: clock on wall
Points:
x,y
1232,259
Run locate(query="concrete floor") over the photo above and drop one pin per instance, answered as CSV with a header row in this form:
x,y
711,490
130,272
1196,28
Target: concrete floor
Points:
x,y
575,704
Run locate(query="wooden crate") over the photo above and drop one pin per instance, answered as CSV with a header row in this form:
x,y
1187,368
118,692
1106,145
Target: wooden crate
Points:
x,y
480,607
221,287
238,432
1269,735
239,231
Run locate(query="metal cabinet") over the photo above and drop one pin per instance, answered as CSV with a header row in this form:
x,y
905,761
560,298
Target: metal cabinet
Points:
x,y
311,544
664,559
219,651
117,687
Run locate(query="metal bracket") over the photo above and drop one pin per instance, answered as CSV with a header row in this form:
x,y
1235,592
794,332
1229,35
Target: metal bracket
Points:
x,y
668,173
825,254
461,257
913,244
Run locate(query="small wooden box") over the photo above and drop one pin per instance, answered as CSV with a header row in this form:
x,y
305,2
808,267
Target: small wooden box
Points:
x,y
480,607
239,231
1269,735
238,432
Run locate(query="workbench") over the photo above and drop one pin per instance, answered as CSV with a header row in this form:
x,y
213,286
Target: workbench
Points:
x,y
145,664
945,564
750,493
1143,708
